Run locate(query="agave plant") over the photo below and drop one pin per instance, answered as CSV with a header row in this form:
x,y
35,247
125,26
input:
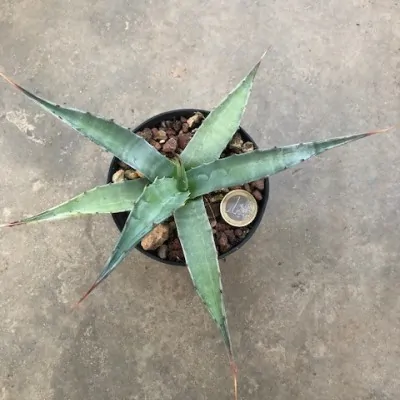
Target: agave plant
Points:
x,y
176,187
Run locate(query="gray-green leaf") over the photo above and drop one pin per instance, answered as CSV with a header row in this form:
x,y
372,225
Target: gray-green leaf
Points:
x,y
243,168
157,202
124,144
111,198
220,125
201,257
180,175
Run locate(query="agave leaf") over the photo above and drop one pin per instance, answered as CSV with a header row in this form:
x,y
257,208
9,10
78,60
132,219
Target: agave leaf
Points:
x,y
124,144
111,198
201,257
243,168
157,202
180,175
220,125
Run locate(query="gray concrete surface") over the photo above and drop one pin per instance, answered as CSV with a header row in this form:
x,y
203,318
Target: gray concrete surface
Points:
x,y
313,300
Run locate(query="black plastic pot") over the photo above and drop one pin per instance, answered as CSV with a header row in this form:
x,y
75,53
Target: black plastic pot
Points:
x,y
120,218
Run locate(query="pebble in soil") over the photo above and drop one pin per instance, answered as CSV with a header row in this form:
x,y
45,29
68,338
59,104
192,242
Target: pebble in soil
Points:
x,y
170,138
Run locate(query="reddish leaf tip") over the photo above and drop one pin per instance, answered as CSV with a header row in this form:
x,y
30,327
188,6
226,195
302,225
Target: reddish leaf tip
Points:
x,y
7,79
384,130
10,224
234,371
86,295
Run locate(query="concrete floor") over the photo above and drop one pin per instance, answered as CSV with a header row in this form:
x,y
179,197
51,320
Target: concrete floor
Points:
x,y
313,299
